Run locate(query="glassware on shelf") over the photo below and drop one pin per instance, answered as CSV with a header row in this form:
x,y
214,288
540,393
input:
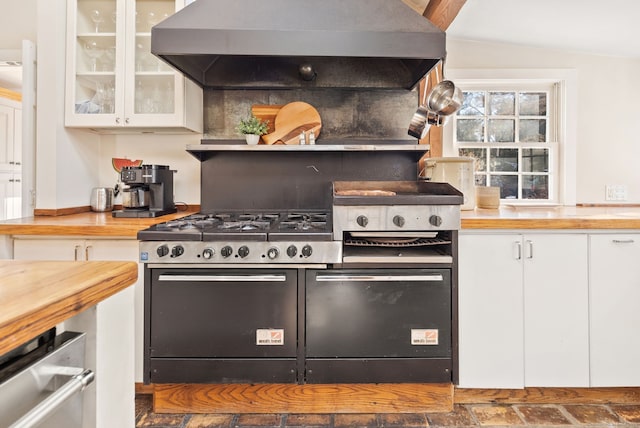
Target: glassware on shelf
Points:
x,y
93,51
97,18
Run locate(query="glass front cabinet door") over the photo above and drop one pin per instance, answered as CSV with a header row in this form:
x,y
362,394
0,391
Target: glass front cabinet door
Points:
x,y
114,83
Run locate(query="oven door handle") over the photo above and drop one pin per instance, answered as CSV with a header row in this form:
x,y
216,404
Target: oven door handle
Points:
x,y
378,278
223,278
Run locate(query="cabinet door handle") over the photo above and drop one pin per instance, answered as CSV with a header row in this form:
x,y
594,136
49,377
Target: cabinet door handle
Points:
x,y
126,120
86,252
118,120
529,249
18,163
623,241
76,251
518,250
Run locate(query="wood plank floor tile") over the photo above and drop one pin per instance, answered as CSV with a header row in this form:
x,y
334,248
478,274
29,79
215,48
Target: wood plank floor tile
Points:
x,y
502,415
362,420
459,417
209,421
628,412
308,420
591,414
404,420
542,415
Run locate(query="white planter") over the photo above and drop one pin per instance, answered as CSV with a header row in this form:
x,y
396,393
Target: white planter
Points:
x,y
252,138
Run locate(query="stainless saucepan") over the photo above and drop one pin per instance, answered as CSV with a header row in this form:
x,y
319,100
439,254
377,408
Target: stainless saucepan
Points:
x,y
443,100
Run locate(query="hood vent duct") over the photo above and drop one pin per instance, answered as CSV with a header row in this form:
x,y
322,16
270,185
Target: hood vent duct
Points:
x,y
278,44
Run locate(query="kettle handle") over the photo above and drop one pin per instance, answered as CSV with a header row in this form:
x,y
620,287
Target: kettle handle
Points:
x,y
116,190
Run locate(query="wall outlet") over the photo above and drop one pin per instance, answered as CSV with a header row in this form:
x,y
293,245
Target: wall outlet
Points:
x,y
615,192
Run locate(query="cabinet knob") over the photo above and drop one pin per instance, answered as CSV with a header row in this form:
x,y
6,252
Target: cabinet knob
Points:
x,y
118,120
126,120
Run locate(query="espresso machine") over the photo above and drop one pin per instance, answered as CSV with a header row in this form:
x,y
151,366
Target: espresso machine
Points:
x,y
148,191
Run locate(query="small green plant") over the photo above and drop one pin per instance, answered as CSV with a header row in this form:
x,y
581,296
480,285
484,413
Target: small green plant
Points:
x,y
252,125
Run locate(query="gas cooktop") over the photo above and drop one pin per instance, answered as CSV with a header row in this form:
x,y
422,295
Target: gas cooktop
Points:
x,y
243,225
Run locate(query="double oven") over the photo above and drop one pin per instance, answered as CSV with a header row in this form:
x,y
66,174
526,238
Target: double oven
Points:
x,y
305,275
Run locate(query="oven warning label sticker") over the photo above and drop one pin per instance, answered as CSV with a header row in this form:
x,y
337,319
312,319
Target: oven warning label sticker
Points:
x,y
424,336
270,336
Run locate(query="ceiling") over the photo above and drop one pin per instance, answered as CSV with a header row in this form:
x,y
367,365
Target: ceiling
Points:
x,y
591,26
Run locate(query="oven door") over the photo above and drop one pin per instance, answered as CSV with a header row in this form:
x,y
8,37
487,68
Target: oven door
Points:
x,y
378,325
219,325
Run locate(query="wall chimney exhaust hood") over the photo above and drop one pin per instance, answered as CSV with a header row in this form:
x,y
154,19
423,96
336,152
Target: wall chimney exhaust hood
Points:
x,y
272,44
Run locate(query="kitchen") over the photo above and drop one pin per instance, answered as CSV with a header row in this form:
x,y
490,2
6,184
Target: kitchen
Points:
x,y
59,188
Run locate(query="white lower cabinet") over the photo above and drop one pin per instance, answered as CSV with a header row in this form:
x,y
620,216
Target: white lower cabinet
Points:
x,y
119,320
523,310
614,309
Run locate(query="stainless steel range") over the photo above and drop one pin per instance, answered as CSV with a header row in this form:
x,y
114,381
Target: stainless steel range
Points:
x,y
308,275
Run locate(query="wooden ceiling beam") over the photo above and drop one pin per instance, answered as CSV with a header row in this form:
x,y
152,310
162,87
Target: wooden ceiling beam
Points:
x,y
443,12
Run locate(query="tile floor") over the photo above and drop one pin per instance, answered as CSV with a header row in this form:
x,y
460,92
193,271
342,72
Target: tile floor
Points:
x,y
470,415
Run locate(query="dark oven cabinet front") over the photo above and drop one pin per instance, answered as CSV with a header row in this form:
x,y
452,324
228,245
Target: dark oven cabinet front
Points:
x,y
220,326
378,325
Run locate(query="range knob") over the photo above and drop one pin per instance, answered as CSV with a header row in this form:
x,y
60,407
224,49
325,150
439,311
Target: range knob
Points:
x,y
162,250
207,253
292,251
273,252
362,221
177,251
226,251
306,251
243,251
398,220
435,220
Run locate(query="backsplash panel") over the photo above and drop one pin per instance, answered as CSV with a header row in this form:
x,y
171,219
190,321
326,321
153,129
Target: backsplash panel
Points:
x,y
372,115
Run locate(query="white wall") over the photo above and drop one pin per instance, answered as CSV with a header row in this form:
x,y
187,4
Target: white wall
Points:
x,y
71,162
608,140
155,149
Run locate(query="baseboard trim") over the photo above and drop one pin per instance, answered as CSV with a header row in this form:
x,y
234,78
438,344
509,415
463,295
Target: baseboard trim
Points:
x,y
309,398
362,398
621,395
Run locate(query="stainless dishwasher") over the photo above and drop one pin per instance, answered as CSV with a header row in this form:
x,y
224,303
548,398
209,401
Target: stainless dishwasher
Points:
x,y
41,382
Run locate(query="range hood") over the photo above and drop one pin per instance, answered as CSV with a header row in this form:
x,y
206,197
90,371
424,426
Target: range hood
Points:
x,y
271,44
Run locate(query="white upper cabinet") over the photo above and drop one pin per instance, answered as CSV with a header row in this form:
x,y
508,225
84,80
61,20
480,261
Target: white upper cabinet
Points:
x,y
114,84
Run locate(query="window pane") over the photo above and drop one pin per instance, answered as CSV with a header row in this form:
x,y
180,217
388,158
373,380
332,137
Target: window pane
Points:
x,y
470,130
535,160
501,130
480,155
502,103
533,130
533,104
508,185
472,104
535,187
504,160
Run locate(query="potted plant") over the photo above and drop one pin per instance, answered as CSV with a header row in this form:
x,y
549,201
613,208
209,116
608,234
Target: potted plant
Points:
x,y
252,128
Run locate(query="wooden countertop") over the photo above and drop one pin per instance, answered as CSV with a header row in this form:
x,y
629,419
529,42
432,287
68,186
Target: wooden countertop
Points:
x,y
553,217
37,295
83,224
506,217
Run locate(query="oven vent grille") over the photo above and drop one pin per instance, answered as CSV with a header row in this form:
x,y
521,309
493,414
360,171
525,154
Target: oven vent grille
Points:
x,y
395,242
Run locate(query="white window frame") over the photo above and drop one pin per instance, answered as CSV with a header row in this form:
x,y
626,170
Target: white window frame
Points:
x,y
564,173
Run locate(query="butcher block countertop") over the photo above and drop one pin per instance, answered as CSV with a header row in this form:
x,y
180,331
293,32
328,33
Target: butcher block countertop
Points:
x,y
84,224
553,217
506,217
37,295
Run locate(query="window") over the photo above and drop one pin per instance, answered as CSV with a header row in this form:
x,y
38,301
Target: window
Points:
x,y
510,128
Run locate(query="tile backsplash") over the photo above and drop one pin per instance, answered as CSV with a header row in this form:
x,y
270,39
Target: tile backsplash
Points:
x,y
345,114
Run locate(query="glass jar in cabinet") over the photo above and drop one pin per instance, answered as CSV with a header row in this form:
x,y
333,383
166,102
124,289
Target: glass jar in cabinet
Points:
x,y
114,83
